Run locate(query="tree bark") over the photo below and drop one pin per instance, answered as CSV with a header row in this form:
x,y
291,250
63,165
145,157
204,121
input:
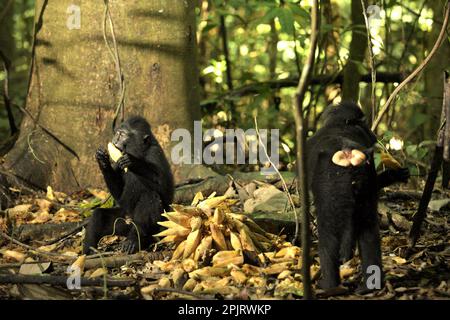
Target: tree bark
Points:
x,y
73,91
7,44
434,71
352,75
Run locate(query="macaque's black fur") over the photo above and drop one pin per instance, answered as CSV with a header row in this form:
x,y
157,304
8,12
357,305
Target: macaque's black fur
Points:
x,y
142,193
346,197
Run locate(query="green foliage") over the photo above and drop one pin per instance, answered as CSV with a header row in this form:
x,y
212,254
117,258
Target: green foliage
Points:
x,y
419,151
268,41
88,207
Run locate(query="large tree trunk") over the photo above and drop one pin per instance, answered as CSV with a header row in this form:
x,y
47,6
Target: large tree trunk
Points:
x,y
433,74
7,27
352,74
74,86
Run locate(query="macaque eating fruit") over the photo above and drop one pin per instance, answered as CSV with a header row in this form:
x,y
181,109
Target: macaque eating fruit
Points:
x,y
139,179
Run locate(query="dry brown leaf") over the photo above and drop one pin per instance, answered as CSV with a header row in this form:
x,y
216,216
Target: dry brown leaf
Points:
x,y
18,210
3,226
41,217
48,248
100,194
64,215
43,204
14,255
398,260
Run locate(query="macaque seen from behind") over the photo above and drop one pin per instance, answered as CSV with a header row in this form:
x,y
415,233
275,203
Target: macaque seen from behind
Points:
x,y
345,187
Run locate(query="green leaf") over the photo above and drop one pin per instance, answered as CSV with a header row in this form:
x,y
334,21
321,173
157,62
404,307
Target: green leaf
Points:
x,y
388,135
411,150
209,26
377,158
299,11
286,20
269,16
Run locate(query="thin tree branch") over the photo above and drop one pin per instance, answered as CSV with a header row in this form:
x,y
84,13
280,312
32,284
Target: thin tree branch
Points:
x,y
6,98
301,155
371,60
255,88
436,46
120,108
226,52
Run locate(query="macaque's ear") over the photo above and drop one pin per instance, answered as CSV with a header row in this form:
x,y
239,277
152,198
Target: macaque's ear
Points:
x,y
147,139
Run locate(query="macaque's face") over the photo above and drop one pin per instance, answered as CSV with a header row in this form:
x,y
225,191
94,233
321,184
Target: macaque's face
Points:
x,y
121,138
131,141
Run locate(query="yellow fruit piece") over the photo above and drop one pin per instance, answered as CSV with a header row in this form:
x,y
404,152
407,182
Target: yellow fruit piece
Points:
x,y
288,252
187,210
224,258
208,272
189,285
237,216
196,223
166,266
16,255
203,248
246,240
179,250
114,153
250,270
284,274
197,198
215,286
179,277
148,290
171,238
79,263
238,276
218,216
211,203
178,231
235,241
179,218
164,282
192,243
169,224
98,273
212,195
277,268
189,265
257,281
198,288
218,237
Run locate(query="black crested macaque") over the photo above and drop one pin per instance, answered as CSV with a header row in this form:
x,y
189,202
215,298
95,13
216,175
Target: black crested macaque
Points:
x,y
345,187
141,183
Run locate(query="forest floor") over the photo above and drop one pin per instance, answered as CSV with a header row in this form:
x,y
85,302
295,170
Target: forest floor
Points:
x,y
31,267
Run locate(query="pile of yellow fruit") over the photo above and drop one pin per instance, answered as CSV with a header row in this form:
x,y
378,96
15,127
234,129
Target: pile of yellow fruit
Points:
x,y
208,227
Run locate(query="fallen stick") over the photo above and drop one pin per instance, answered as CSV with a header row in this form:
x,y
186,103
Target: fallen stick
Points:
x,y
62,281
118,261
